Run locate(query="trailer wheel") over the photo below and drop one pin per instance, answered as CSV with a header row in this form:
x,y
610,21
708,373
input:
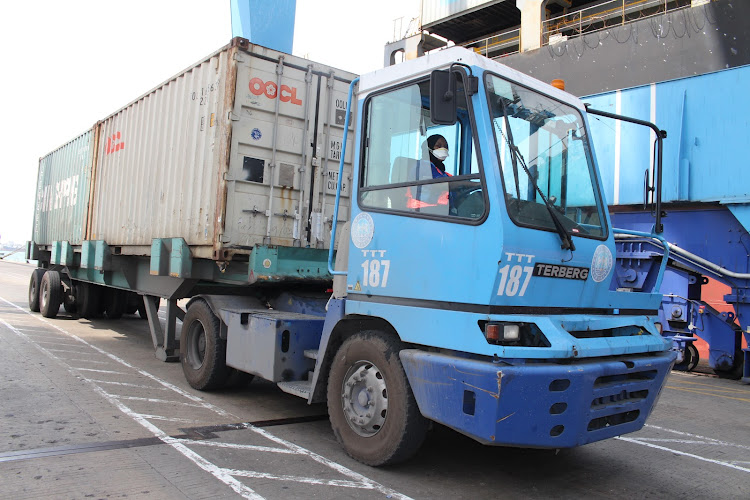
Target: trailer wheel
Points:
x,y
34,284
142,307
114,307
87,300
50,294
132,301
202,351
690,359
735,371
372,408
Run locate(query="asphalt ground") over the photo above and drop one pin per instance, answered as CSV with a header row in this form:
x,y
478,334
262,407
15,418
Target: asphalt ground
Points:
x,y
87,411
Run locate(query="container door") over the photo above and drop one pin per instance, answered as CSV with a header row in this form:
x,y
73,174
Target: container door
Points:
x,y
267,185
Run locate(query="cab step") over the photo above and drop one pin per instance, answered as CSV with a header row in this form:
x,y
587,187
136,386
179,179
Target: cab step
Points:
x,y
311,353
299,388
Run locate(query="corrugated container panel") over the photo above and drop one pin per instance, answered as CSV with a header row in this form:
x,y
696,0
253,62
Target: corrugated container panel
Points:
x,y
438,10
63,187
707,125
160,162
201,157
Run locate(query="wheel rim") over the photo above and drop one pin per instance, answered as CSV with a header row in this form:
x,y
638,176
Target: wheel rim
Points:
x,y
196,345
43,296
364,398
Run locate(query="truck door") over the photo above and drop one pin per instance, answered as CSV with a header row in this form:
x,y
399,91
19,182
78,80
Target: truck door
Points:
x,y
416,218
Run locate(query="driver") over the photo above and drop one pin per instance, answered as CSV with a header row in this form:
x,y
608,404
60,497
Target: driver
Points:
x,y
436,149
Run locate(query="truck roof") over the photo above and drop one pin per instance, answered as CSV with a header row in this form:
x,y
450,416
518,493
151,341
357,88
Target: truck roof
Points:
x,y
422,66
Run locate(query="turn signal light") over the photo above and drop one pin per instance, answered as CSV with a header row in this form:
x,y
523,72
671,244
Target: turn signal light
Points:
x,y
496,332
492,332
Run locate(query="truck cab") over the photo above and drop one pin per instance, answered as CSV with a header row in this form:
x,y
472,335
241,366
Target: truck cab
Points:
x,y
480,298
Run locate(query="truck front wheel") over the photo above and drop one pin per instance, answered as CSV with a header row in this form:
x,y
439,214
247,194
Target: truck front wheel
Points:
x,y
202,351
372,408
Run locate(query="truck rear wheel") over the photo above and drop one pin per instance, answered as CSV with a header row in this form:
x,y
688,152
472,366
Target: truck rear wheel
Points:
x,y
372,408
50,294
34,284
202,351
87,300
115,303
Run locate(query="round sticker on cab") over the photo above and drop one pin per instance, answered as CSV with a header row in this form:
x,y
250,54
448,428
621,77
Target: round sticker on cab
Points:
x,y
362,230
601,263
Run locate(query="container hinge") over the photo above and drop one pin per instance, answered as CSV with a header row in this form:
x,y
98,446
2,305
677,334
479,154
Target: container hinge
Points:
x,y
233,117
238,58
330,80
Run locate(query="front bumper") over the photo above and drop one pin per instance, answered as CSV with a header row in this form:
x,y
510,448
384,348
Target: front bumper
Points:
x,y
537,405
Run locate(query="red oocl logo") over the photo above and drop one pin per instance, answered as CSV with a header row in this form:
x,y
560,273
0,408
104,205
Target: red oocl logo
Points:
x,y
287,94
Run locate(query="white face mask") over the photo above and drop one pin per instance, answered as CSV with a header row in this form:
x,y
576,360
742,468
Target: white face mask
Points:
x,y
441,153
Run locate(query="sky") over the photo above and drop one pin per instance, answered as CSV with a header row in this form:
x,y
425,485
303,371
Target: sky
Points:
x,y
68,63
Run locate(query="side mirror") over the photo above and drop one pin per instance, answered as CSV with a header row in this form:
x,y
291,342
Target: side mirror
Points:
x,y
442,97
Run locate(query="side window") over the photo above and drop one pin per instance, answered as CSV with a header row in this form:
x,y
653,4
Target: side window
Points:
x,y
415,166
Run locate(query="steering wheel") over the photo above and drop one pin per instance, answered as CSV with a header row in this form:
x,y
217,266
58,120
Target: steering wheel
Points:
x,y
467,202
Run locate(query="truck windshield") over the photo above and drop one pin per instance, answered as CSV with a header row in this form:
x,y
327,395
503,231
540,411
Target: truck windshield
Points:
x,y
544,155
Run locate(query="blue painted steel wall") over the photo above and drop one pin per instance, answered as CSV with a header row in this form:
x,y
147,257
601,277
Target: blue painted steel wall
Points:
x,y
707,121
270,24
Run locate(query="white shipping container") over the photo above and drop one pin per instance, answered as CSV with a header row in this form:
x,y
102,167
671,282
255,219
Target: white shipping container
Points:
x,y
240,149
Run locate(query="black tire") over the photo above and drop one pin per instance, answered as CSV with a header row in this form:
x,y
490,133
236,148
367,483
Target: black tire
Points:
x,y
142,307
131,303
87,300
114,306
737,369
50,294
34,285
202,351
690,359
389,428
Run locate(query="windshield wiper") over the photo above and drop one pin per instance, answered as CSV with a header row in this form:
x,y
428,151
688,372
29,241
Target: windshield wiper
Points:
x,y
517,157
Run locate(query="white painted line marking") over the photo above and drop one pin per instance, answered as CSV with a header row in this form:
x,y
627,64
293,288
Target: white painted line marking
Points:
x,y
87,361
681,441
97,371
331,464
201,462
152,417
57,350
678,452
166,384
56,343
154,400
234,446
298,479
126,384
695,436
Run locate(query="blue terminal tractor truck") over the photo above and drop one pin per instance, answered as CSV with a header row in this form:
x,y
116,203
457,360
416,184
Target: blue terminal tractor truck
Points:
x,y
473,291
